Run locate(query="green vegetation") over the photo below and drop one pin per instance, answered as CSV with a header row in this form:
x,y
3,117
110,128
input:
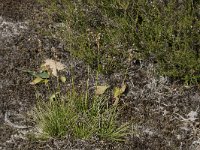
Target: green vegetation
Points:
x,y
102,33
79,115
107,34
170,34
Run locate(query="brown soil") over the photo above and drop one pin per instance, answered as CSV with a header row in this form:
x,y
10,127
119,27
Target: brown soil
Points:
x,y
162,111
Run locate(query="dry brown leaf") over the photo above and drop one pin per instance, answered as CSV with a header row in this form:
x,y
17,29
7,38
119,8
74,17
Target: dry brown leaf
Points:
x,y
54,66
101,89
116,101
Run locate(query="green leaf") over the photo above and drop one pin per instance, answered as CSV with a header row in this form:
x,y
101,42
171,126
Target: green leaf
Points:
x,y
43,75
33,73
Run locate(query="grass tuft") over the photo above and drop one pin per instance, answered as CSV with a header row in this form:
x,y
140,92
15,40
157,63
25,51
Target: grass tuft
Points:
x,y
79,115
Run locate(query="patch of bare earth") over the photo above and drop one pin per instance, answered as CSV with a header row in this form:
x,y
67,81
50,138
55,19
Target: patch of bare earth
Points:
x,y
165,114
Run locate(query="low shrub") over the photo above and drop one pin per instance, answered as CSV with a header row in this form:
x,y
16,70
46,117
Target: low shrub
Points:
x,y
103,33
169,33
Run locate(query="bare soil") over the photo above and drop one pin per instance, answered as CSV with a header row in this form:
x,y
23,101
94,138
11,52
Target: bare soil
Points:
x,y
165,113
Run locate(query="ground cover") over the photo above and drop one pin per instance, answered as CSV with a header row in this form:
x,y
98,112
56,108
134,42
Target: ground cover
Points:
x,y
164,113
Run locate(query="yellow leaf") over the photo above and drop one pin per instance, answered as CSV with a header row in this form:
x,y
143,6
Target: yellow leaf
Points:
x,y
63,79
101,89
36,81
46,81
119,91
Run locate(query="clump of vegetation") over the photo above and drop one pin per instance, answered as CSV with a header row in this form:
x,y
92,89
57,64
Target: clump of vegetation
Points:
x,y
79,115
169,33
102,33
